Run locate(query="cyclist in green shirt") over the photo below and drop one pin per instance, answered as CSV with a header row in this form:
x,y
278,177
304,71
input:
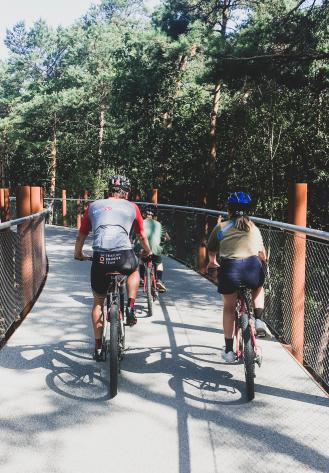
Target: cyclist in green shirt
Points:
x,y
156,234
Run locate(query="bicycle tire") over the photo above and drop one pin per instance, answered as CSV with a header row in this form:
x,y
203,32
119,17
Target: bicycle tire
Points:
x,y
248,358
149,291
114,349
122,333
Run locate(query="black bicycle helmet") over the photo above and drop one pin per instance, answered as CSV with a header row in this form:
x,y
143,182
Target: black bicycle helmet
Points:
x,y
149,210
117,183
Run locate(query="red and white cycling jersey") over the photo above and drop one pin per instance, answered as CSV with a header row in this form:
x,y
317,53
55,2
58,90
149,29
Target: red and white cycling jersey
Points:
x,y
111,221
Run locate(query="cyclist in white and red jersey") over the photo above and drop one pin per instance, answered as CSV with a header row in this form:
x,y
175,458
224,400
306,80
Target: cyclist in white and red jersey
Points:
x,y
111,220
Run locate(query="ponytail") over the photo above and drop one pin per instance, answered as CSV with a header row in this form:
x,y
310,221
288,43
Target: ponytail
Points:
x,y
243,223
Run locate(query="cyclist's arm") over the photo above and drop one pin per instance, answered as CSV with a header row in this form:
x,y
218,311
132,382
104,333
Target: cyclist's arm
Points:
x,y
143,240
166,237
78,254
213,247
138,227
81,238
262,255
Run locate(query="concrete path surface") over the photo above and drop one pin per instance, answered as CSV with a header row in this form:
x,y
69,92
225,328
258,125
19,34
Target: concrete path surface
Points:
x,y
179,409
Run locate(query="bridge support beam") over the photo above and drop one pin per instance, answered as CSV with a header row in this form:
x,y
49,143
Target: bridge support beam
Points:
x,y
64,208
154,196
295,290
23,209
4,205
78,212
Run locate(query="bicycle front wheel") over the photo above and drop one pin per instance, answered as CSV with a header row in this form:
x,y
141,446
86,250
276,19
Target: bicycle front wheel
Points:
x,y
248,358
114,349
149,291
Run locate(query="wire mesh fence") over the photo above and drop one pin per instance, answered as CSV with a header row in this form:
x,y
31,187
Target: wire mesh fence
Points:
x,y
67,215
22,269
297,282
293,297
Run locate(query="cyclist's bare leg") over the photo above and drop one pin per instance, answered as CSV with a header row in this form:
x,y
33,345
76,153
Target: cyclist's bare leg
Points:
x,y
258,296
258,303
96,315
133,284
229,314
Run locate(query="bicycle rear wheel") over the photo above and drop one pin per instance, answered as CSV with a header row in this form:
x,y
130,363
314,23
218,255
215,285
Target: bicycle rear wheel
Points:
x,y
248,358
114,349
149,291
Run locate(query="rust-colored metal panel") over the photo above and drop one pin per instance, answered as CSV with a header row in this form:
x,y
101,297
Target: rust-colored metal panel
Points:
x,y
154,196
297,215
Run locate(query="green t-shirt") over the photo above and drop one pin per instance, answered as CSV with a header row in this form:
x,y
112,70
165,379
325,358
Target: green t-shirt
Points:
x,y
154,232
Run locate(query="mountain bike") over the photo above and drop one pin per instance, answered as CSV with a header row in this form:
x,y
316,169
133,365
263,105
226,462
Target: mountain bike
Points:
x,y
113,338
113,335
245,336
149,284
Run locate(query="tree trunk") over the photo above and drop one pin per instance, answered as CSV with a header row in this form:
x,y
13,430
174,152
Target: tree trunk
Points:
x,y
210,184
101,131
211,174
53,169
3,156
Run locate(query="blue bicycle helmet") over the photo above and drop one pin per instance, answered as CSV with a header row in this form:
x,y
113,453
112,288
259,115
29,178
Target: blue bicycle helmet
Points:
x,y
239,198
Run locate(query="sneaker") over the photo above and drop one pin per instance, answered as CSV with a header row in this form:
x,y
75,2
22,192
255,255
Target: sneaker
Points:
x,y
229,357
260,327
161,287
131,318
98,355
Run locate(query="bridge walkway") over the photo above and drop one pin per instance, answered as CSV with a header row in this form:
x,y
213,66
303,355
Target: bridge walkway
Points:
x,y
179,409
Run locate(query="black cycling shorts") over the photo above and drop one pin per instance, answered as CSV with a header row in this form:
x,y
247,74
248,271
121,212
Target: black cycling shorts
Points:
x,y
234,272
156,260
123,262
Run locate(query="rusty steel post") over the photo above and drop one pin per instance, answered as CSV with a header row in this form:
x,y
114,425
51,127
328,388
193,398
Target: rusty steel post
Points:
x,y
42,197
4,205
64,208
78,212
201,238
297,210
6,208
23,209
23,201
85,200
154,196
35,195
37,238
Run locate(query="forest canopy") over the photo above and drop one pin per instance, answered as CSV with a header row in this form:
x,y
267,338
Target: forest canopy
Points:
x,y
198,98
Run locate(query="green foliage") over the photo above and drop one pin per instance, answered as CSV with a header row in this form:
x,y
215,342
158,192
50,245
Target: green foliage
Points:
x,y
121,92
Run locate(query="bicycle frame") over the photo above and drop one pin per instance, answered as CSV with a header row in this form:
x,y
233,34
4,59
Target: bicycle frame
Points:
x,y
243,307
149,264
115,295
116,290
113,328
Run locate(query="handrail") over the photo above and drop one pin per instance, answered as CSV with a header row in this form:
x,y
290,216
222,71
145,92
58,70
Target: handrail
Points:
x,y
28,218
322,235
270,223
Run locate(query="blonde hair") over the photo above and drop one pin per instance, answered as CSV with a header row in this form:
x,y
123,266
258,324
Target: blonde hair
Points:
x,y
243,223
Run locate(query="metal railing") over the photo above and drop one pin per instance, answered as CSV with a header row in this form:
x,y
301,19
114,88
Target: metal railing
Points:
x,y
297,283
23,268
